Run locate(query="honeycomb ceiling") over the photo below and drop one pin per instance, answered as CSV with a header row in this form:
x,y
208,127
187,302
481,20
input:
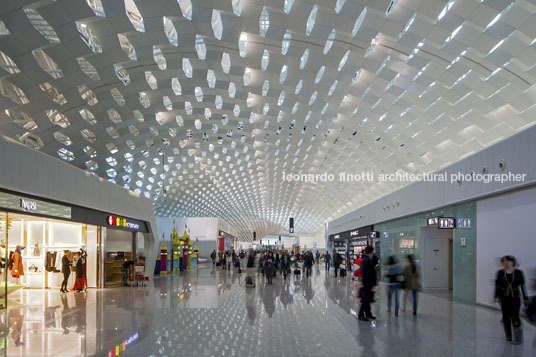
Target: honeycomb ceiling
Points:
x,y
203,105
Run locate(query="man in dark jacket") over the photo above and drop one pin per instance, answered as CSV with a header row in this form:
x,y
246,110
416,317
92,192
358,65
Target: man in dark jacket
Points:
x,y
366,294
327,260
308,263
66,270
125,268
285,264
337,260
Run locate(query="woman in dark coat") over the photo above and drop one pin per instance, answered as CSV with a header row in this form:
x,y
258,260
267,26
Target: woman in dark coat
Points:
x,y
269,267
509,288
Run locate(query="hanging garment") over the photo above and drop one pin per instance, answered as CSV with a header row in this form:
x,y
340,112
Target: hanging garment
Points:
x,y
57,262
36,251
83,279
17,269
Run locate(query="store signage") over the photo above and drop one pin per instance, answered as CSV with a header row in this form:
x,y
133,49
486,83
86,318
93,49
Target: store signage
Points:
x,y
374,234
15,202
336,236
354,233
446,223
385,234
122,222
432,221
362,233
28,205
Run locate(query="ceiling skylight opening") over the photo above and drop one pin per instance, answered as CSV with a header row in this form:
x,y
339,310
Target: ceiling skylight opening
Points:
x,y
283,74
453,34
186,8
187,68
392,81
495,47
415,51
320,74
382,66
359,21
329,41
446,9
281,98
265,87
200,47
7,64
493,73
134,15
151,80
356,77
264,22
311,20
343,61
170,31
88,37
41,25
304,58
338,5
225,62
232,90
287,6
96,6
88,69
265,60
53,93
299,87
286,42
243,44
407,26
217,26
391,7
198,94
372,44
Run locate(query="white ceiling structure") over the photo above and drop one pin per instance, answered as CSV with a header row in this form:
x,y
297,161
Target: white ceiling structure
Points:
x,y
236,93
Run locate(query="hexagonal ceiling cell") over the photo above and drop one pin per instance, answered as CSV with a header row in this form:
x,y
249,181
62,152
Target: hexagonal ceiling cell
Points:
x,y
203,106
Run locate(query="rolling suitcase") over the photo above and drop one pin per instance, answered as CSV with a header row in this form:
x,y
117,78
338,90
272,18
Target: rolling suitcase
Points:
x,y
297,271
343,273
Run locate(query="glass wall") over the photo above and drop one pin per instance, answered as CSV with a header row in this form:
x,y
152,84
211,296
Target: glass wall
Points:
x,y
402,236
3,259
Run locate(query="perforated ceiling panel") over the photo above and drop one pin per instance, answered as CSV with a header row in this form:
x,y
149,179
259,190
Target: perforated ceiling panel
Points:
x,y
237,93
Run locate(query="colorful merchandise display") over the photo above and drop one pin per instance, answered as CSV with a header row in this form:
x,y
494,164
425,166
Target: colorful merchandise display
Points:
x,y
163,259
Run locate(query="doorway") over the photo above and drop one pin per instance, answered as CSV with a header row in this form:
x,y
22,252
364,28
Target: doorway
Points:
x,y
437,258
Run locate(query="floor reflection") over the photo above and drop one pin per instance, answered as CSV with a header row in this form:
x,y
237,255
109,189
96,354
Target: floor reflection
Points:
x,y
213,312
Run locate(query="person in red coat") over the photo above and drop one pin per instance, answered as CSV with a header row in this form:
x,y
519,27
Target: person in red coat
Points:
x,y
357,271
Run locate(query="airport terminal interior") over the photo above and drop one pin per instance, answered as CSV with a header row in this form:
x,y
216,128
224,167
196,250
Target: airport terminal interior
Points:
x,y
267,178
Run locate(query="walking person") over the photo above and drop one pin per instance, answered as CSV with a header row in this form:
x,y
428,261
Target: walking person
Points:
x,y
308,263
369,282
337,260
213,257
224,261
269,267
327,260
285,264
393,274
260,269
66,270
412,281
125,268
509,288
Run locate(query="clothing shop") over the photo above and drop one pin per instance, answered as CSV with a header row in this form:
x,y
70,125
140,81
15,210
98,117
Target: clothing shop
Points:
x,y
35,234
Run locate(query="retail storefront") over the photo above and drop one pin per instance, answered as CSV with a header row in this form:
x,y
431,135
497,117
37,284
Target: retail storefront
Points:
x,y
350,243
226,241
442,241
35,234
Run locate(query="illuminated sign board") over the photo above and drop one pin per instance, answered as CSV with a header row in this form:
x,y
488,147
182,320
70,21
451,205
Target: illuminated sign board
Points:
x,y
28,205
122,347
446,223
122,222
433,221
374,234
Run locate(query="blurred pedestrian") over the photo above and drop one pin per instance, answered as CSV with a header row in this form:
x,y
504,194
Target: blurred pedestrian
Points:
x,y
393,274
412,281
509,288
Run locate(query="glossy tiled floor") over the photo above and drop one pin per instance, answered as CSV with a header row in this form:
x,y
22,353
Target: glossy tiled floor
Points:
x,y
208,312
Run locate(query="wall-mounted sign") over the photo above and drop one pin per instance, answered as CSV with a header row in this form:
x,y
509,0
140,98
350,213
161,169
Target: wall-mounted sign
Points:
x,y
374,234
385,234
463,223
28,205
446,223
15,202
407,244
464,242
433,221
122,222
362,232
